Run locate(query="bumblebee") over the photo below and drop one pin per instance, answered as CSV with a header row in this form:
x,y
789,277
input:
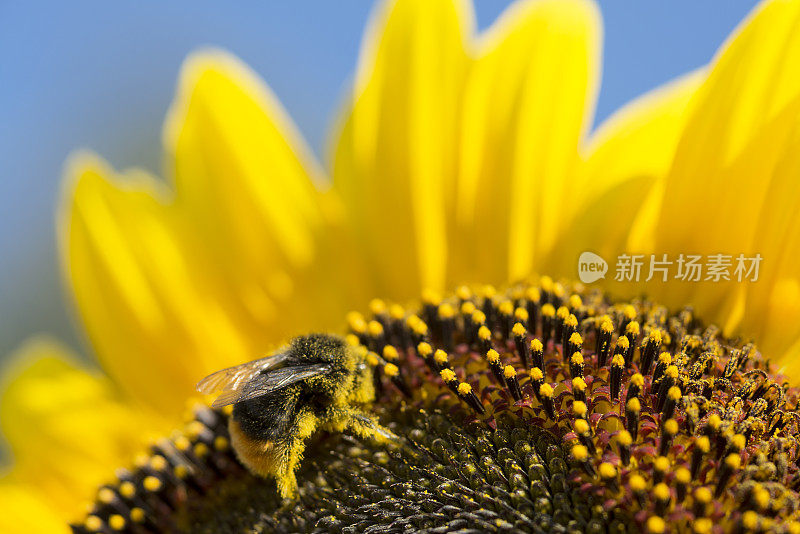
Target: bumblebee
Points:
x,y
318,382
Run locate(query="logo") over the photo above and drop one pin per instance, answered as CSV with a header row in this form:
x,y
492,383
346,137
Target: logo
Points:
x,y
591,267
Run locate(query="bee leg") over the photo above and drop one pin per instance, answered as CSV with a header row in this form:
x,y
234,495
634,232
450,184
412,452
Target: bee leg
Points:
x,y
292,454
366,426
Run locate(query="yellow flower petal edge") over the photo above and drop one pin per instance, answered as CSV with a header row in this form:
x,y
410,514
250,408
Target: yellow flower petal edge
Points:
x,y
395,156
730,189
67,430
529,99
625,162
144,302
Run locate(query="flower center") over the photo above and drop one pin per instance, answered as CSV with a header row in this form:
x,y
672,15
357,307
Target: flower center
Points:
x,y
539,409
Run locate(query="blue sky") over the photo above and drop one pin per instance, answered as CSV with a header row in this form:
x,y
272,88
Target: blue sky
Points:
x,y
100,74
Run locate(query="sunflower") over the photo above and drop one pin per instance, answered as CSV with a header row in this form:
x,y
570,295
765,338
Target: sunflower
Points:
x,y
457,160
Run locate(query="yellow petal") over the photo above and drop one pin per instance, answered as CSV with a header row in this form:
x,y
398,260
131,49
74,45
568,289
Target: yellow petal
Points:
x,y
271,246
626,161
719,194
67,431
24,511
529,98
151,313
395,156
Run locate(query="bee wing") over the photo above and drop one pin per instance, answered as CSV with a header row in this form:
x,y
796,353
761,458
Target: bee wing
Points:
x,y
268,382
234,378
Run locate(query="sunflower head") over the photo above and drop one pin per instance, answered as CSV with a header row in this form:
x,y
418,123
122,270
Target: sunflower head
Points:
x,y
597,417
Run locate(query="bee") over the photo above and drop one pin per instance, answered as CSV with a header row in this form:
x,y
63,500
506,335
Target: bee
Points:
x,y
317,382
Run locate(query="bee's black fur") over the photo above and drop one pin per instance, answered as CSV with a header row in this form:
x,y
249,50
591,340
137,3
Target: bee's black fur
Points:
x,y
273,415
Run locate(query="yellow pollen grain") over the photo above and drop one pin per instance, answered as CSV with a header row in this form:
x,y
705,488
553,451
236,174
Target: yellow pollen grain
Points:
x,y
702,495
665,358
372,359
581,426
182,443
576,339
632,330
116,522
637,379
607,326
391,370
412,320
703,443
493,356
127,489
396,312
577,359
548,310
467,309
201,450
562,313
571,321
536,345
375,328
105,495
578,384
623,342
546,282
579,408
424,349
624,438
488,291
151,483
733,461
93,523
464,388
714,421
702,525
683,475
484,333
536,374
390,353
194,428
661,464
181,471
634,405
158,462
440,357
533,294
137,515
739,441
446,311
357,322
575,301
618,361
671,427
750,520
521,314
509,372
447,375
478,317
674,393
607,470
430,296
519,330
580,453
655,525
637,483
463,292
629,311
672,372
761,497
506,307
377,306
654,336
661,492
352,340
420,328
546,390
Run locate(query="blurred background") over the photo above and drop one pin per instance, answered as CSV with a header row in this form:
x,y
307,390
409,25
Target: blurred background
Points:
x,y
100,75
